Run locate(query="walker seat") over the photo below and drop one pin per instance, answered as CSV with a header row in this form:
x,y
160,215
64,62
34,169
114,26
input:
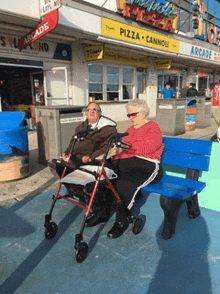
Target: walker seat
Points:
x,y
86,174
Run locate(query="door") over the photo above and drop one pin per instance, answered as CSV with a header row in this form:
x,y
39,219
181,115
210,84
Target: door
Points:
x,y
56,86
37,88
202,85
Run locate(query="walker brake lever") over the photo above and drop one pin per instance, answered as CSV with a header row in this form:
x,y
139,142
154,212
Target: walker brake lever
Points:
x,y
63,163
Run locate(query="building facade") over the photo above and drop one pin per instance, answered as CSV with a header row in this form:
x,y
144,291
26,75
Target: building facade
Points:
x,y
106,51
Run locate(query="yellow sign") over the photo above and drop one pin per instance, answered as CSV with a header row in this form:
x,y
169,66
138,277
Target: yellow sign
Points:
x,y
91,53
125,59
121,31
162,63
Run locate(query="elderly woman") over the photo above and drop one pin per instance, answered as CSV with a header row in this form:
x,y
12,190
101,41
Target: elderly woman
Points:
x,y
137,166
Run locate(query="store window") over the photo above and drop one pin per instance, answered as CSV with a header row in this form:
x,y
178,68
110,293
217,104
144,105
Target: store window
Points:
x,y
128,83
110,83
141,81
96,81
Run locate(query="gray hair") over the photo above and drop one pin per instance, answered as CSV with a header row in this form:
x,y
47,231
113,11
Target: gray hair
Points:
x,y
98,106
141,104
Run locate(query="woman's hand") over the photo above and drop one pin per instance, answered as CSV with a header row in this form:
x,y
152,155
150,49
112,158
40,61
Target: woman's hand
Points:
x,y
115,151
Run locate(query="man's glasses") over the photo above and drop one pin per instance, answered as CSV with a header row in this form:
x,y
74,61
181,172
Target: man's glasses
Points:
x,y
92,109
134,114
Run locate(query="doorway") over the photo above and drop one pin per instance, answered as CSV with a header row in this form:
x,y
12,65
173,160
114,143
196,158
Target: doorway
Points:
x,y
16,86
57,86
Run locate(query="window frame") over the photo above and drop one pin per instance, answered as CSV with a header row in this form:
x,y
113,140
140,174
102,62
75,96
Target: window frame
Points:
x,y
120,90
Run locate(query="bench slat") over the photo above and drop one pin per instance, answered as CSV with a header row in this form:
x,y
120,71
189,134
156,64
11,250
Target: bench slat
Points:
x,y
175,187
184,145
184,160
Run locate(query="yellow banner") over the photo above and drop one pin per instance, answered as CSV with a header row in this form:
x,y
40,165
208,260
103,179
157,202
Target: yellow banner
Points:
x,y
97,53
93,53
162,63
121,31
125,59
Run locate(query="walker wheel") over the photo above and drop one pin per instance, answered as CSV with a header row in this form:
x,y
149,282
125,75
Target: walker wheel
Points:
x,y
137,226
81,252
50,231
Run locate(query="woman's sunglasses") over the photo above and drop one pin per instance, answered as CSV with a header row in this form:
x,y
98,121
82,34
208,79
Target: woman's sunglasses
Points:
x,y
134,114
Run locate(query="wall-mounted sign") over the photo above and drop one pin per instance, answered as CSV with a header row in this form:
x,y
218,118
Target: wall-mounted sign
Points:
x,y
47,25
121,31
93,53
47,6
150,12
9,45
199,52
162,64
99,53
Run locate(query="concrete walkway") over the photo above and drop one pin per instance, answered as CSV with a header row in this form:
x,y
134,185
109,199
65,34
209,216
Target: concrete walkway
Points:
x,y
133,264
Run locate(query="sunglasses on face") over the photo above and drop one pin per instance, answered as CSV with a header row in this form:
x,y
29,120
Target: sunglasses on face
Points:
x,y
134,114
92,109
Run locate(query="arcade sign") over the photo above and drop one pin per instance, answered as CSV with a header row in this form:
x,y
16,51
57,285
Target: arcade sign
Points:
x,y
47,25
150,12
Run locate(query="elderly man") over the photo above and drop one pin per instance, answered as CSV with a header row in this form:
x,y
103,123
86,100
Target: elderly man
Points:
x,y
98,131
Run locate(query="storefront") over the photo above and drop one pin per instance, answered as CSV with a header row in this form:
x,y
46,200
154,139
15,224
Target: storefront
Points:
x,y
38,75
104,56
114,76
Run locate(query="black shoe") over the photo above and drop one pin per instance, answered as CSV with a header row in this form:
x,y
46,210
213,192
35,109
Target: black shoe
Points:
x,y
95,219
117,230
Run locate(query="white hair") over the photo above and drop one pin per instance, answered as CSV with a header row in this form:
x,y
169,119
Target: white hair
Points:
x,y
141,104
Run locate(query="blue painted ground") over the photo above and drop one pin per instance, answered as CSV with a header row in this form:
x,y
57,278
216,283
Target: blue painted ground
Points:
x,y
142,264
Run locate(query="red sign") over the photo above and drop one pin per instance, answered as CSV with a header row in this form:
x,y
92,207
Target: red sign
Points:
x,y
47,25
149,17
202,73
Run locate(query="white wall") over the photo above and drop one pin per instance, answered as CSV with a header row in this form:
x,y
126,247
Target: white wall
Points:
x,y
28,8
108,4
115,111
79,76
80,20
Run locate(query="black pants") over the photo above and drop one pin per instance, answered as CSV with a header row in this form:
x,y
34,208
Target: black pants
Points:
x,y
133,173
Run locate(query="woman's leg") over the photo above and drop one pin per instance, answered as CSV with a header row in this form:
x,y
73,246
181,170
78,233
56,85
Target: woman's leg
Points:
x,y
134,173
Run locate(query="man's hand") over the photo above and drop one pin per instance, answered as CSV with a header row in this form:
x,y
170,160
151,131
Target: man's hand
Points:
x,y
64,157
86,159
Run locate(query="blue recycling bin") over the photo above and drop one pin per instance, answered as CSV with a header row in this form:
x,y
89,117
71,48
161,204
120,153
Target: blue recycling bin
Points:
x,y
190,114
14,149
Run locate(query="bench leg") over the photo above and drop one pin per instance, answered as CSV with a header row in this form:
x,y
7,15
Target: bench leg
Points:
x,y
193,206
170,207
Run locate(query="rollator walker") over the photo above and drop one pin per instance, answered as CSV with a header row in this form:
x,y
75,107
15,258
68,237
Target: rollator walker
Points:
x,y
77,182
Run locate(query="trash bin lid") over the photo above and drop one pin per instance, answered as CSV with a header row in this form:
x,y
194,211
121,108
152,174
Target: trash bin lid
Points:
x,y
12,119
191,103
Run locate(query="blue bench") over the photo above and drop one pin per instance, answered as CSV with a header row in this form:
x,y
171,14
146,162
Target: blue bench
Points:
x,y
189,157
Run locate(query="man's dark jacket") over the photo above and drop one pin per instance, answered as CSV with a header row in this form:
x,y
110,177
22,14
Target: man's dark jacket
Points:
x,y
95,143
191,92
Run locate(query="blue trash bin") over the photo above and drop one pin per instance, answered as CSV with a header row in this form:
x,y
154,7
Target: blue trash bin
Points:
x,y
14,149
190,114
